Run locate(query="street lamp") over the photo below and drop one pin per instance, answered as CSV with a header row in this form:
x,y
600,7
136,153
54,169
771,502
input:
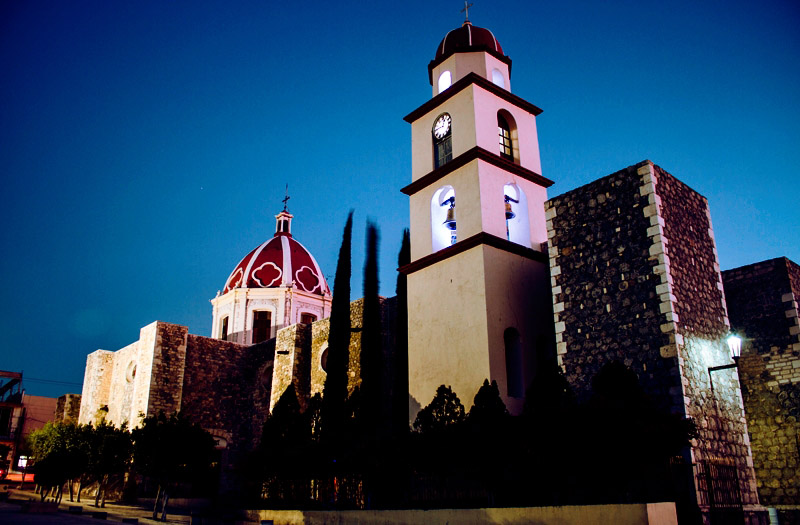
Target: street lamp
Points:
x,y
735,349
735,346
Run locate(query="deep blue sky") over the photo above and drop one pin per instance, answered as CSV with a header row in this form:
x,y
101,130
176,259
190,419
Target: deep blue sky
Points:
x,y
144,146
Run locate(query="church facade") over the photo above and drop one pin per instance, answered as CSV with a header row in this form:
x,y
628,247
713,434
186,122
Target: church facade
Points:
x,y
501,280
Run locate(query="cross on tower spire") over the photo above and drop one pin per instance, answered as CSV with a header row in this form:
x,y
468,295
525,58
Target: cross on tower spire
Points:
x,y
286,199
466,11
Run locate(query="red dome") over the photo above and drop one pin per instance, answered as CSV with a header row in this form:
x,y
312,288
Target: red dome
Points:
x,y
281,261
467,38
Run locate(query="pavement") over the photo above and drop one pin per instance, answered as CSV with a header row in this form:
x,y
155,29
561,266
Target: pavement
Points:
x,y
13,511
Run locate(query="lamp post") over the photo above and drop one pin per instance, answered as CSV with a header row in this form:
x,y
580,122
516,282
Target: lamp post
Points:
x,y
735,349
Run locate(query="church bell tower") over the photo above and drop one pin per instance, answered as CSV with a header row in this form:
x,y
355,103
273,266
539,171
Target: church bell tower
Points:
x,y
479,297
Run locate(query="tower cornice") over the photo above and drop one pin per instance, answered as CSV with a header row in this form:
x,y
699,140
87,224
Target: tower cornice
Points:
x,y
465,158
472,78
478,239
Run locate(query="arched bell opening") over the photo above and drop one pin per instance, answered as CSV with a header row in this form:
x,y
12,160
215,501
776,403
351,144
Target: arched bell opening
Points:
x,y
443,218
445,80
515,207
498,79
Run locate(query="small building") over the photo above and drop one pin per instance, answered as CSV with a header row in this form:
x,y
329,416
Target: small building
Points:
x,y
20,414
12,414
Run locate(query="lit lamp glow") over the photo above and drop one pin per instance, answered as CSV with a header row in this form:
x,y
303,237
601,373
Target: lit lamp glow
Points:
x,y
735,348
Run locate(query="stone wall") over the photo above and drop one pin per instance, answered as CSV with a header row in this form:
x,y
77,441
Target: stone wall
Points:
x,y
68,408
604,282
635,279
226,390
169,356
96,385
292,364
762,303
700,324
319,345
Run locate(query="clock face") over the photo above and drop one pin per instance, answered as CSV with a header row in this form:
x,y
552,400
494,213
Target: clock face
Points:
x,y
442,126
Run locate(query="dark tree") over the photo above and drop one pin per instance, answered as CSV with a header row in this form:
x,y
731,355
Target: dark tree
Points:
x,y
550,422
62,452
444,411
632,440
373,387
400,364
488,408
110,455
334,394
171,450
285,425
550,397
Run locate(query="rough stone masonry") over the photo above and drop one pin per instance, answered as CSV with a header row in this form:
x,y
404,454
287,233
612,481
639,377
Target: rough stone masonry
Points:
x,y
635,279
762,304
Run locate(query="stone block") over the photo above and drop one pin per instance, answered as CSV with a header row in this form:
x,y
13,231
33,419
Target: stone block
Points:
x,y
647,189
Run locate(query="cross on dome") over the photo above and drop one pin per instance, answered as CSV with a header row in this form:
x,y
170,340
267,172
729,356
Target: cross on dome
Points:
x,y
466,12
286,199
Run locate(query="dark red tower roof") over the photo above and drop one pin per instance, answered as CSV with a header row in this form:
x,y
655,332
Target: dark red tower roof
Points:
x,y
467,38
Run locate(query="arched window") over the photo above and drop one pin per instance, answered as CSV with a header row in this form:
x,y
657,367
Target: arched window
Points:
x,y
323,358
515,205
504,134
443,218
514,378
442,140
307,318
223,328
498,79
445,79
507,136
262,326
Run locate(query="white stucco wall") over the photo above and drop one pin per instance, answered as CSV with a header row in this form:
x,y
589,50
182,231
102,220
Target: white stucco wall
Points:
x,y
285,304
462,64
447,332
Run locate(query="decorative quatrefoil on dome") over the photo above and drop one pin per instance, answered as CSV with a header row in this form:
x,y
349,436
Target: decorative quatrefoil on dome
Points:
x,y
268,274
235,280
307,279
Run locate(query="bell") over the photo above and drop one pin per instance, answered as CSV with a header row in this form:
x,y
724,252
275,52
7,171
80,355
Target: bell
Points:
x,y
450,221
509,212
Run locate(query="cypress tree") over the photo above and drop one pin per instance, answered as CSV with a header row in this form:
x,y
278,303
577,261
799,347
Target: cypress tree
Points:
x,y
373,388
400,368
334,394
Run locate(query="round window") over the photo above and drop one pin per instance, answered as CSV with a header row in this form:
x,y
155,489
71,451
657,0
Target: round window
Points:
x,y
130,374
